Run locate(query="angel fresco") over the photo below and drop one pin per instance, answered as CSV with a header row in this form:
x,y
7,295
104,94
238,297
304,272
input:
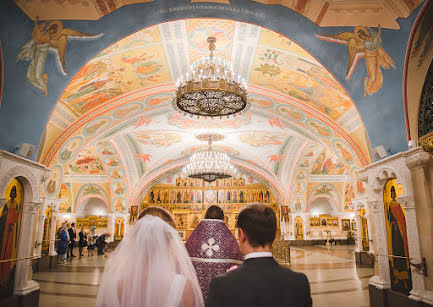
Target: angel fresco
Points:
x,y
365,43
47,35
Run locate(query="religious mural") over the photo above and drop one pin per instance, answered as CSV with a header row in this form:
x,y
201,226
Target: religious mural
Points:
x,y
65,194
364,230
47,231
10,224
45,36
299,228
364,42
401,279
119,224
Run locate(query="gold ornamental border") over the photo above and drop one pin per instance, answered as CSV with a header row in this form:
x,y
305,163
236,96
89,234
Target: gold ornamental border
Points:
x,y
426,142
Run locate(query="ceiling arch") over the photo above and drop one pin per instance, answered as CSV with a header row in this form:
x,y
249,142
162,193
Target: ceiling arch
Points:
x,y
122,97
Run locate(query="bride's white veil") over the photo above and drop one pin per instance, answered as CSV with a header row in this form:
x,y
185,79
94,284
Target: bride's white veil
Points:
x,y
150,268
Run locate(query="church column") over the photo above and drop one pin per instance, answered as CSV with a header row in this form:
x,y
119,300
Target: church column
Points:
x,y
111,226
53,226
22,284
40,232
368,216
358,231
382,279
419,164
413,246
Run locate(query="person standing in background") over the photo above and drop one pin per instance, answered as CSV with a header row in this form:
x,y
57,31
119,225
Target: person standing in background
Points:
x,y
63,243
82,241
91,241
72,236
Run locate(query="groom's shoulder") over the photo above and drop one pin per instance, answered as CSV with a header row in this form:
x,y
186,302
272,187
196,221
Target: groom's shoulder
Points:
x,y
232,275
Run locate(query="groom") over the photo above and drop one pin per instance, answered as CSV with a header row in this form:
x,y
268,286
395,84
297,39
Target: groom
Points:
x,y
213,248
260,281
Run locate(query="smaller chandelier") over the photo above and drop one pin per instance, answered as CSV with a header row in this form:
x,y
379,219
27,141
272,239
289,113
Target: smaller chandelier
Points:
x,y
211,88
209,165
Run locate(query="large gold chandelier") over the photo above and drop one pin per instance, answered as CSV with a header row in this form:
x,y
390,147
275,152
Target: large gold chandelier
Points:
x,y
209,164
211,88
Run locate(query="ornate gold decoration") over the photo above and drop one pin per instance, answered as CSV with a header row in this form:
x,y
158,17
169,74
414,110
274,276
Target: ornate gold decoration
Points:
x,y
281,252
426,143
211,88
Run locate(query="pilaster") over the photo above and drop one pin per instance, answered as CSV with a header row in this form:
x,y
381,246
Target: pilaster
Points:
x,y
382,280
22,284
414,248
54,217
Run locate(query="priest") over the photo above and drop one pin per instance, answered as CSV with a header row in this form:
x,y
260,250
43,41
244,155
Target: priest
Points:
x,y
213,248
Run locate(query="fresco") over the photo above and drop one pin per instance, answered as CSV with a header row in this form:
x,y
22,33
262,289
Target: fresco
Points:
x,y
306,86
364,42
400,271
87,162
65,195
70,149
120,205
262,139
157,138
327,164
47,35
53,183
349,194
10,224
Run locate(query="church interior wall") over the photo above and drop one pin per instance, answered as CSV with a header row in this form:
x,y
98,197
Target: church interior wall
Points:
x,y
316,180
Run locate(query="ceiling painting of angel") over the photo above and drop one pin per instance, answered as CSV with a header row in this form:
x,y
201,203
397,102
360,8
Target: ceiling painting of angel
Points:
x,y
47,36
363,42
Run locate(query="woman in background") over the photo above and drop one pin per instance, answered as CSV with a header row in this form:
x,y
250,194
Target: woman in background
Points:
x,y
82,241
91,241
63,243
164,276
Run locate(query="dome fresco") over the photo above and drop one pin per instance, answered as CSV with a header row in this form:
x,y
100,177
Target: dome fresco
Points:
x,y
110,91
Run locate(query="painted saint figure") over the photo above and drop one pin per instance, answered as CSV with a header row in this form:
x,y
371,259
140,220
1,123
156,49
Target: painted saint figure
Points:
x,y
401,279
8,236
45,36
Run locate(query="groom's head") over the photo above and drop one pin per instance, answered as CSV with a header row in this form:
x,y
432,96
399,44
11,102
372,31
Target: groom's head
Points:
x,y
258,227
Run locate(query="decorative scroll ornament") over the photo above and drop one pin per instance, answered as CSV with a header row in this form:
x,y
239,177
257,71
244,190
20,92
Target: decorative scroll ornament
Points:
x,y
211,88
425,116
210,165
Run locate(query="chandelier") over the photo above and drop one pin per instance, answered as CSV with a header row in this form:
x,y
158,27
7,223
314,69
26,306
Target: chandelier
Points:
x,y
210,164
210,88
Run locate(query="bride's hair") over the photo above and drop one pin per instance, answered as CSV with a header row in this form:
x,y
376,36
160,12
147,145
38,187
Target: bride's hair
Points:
x,y
150,268
159,212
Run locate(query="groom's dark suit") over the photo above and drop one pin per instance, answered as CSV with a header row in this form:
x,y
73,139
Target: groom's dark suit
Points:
x,y
260,282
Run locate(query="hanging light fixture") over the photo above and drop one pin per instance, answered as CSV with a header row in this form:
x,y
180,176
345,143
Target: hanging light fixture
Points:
x,y
209,164
211,88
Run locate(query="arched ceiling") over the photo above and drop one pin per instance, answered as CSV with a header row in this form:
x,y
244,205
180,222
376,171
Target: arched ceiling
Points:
x,y
324,13
114,121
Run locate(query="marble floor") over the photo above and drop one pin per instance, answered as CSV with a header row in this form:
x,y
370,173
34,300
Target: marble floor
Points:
x,y
334,278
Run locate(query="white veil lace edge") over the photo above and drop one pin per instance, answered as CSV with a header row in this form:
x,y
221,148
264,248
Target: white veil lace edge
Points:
x,y
149,268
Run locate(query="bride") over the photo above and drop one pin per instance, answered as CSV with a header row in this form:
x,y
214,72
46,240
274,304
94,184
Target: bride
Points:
x,y
150,268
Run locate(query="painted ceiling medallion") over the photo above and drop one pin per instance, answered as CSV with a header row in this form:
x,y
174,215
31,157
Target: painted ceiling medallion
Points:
x,y
209,165
211,88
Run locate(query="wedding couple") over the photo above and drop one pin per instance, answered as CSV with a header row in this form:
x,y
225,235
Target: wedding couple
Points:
x,y
151,267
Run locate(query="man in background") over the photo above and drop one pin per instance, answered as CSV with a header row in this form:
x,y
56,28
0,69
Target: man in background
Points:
x,y
72,236
213,248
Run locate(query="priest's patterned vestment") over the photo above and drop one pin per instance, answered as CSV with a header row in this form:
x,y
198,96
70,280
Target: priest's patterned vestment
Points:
x,y
213,250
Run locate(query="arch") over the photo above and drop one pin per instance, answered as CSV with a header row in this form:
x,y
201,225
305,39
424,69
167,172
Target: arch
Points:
x,y
148,180
27,178
101,194
83,199
331,199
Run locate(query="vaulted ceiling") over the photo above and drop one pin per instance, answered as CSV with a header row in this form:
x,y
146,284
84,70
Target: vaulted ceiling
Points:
x,y
115,122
